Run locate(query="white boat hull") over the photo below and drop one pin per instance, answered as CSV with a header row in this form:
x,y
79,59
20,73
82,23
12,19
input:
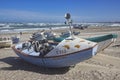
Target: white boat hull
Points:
x,y
4,44
58,61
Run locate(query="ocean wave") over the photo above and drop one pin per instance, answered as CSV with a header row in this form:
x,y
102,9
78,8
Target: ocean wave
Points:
x,y
26,29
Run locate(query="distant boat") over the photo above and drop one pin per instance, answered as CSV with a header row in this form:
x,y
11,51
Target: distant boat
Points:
x,y
80,26
15,39
67,34
76,32
5,42
49,35
69,51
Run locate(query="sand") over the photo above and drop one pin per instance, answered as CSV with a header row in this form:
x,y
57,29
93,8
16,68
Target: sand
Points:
x,y
104,66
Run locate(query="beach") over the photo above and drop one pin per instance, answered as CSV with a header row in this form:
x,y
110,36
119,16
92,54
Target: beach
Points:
x,y
104,66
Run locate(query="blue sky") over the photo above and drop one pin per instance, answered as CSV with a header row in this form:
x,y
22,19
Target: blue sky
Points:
x,y
54,10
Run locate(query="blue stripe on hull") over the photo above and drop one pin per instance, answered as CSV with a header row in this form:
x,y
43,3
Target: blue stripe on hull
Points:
x,y
68,60
62,61
33,60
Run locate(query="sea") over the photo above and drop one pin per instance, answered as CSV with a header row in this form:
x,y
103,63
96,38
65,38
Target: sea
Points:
x,y
26,27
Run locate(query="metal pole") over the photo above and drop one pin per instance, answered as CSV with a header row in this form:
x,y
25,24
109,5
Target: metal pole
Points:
x,y
69,22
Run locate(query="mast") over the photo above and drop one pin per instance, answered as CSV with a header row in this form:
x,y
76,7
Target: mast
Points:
x,y
69,22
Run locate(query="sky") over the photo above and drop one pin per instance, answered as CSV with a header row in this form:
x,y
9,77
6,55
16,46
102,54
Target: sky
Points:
x,y
54,10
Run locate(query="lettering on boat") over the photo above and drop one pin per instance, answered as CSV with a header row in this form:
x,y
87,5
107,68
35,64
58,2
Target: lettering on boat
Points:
x,y
62,51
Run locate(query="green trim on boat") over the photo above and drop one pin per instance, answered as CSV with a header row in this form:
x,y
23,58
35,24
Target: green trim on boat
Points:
x,y
94,39
102,38
58,39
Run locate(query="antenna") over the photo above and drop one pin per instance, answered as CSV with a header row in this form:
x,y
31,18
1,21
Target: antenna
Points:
x,y
69,22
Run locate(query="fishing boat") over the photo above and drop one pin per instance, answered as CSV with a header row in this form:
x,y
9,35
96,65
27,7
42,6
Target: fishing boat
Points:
x,y
15,39
69,51
67,34
5,42
80,26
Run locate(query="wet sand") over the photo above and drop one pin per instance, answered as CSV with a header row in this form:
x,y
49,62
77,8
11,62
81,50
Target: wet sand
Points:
x,y
104,66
